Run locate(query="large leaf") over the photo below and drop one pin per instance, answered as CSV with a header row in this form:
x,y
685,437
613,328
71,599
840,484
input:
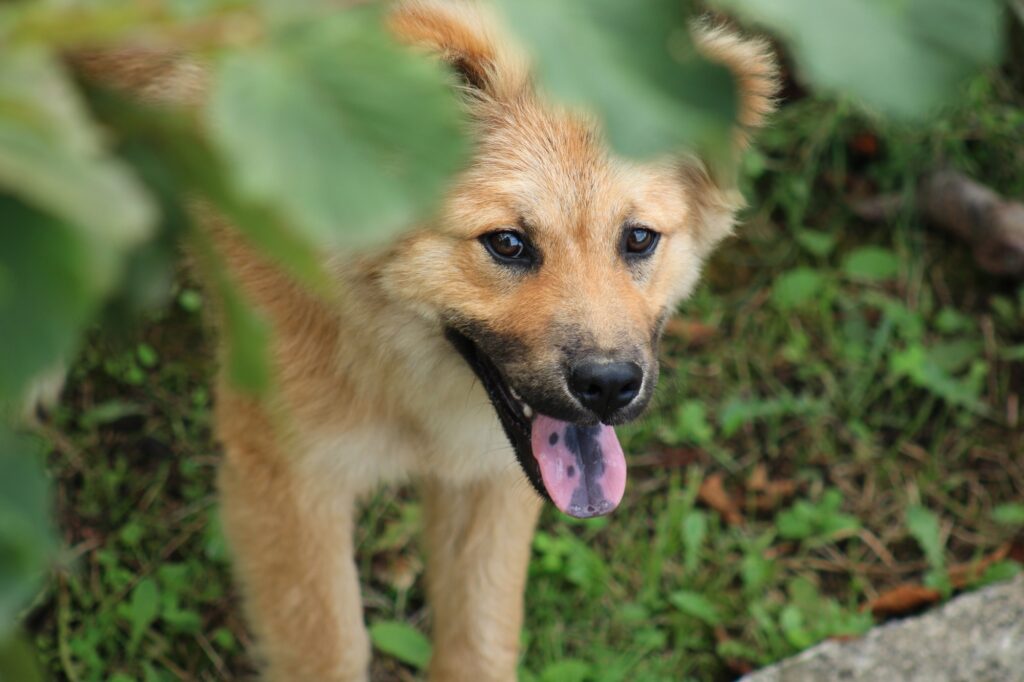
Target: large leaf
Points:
x,y
635,65
903,58
352,136
48,291
18,661
55,271
26,540
176,161
51,156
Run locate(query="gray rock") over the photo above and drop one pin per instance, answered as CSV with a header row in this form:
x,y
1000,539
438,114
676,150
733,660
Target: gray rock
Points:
x,y
978,637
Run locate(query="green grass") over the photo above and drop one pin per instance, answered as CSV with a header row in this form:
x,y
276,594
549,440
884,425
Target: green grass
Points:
x,y
869,374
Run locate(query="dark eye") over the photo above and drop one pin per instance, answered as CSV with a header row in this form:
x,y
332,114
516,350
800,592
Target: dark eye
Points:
x,y
640,241
507,247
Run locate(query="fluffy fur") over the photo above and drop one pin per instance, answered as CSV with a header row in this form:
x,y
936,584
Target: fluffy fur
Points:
x,y
368,390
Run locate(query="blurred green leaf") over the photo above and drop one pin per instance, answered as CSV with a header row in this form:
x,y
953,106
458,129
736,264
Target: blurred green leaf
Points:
x,y
246,332
1005,309
815,242
569,670
584,567
924,527
402,642
18,661
791,620
247,335
636,67
756,571
956,355
318,122
190,300
696,605
26,538
109,411
909,323
47,293
951,321
1009,514
796,287
51,156
1000,571
695,530
915,363
871,263
71,25
147,355
177,162
142,609
215,545
692,424
572,559
820,520
904,58
739,411
810,617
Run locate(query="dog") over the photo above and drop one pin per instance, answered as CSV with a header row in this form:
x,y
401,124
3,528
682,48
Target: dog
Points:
x,y
487,355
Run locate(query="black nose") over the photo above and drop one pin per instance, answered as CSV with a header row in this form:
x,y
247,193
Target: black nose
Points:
x,y
604,387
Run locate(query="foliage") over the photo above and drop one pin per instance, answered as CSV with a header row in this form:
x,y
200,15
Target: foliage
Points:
x,y
323,134
821,520
637,69
402,641
901,58
24,530
923,525
347,134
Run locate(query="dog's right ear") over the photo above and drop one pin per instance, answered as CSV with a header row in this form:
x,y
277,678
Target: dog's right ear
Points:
x,y
754,67
466,37
713,187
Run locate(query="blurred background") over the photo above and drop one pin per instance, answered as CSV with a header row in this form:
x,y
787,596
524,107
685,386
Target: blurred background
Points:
x,y
836,440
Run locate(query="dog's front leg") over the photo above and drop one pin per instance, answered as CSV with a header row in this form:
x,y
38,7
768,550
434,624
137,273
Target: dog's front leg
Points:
x,y
293,554
478,544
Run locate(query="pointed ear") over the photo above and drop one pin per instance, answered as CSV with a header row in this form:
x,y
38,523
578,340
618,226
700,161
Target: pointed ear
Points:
x,y
712,188
465,36
754,67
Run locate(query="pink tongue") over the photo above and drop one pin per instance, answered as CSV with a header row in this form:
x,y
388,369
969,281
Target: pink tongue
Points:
x,y
583,468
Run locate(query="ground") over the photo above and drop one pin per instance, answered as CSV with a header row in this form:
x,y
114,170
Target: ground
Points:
x,y
838,416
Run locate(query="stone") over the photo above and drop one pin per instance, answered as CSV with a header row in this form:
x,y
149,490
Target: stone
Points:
x,y
977,637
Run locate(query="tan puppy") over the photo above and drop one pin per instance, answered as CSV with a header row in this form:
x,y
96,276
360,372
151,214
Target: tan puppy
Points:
x,y
493,348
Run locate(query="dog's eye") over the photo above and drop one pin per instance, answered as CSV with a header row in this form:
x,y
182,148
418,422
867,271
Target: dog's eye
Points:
x,y
640,241
507,246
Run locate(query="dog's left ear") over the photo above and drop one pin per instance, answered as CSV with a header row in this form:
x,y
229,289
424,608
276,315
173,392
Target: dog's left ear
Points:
x,y
712,187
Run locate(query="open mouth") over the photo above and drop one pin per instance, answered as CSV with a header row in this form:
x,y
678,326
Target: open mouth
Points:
x,y
579,467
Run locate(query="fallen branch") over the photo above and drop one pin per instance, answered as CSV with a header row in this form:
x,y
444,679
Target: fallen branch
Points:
x,y
994,226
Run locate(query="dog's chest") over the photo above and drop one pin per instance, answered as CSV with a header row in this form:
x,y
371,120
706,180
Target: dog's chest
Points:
x,y
465,440
440,424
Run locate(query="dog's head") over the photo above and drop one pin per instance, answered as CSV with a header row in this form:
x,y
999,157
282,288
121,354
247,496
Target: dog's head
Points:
x,y
554,264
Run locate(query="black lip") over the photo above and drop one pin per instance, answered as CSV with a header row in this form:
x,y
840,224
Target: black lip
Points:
x,y
517,427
